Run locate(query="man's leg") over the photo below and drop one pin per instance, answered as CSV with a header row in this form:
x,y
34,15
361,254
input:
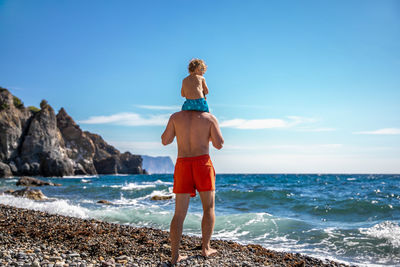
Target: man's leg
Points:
x,y
207,223
181,207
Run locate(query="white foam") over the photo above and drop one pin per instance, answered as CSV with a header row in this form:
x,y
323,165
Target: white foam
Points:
x,y
139,186
60,206
126,201
387,230
79,176
135,186
87,201
10,180
160,193
159,182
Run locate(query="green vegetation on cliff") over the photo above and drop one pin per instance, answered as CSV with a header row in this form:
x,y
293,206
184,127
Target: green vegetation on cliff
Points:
x,y
18,103
34,109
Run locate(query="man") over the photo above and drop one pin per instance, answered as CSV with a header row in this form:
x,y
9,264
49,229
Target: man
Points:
x,y
193,171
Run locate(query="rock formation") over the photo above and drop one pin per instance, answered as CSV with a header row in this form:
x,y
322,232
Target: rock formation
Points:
x,y
30,181
5,170
37,142
43,150
27,192
157,197
105,202
79,147
108,160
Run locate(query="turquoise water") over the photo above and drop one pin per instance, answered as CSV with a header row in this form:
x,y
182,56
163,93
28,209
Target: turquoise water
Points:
x,y
348,218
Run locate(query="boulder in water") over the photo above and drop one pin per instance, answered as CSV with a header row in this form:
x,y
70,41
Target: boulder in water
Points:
x,y
34,194
5,170
30,181
106,202
157,197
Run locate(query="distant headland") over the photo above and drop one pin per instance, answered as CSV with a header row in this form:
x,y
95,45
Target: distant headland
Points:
x,y
37,142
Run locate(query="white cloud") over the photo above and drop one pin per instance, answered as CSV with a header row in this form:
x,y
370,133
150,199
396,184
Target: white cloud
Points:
x,y
290,147
265,123
134,119
133,146
382,131
152,107
254,124
298,119
129,119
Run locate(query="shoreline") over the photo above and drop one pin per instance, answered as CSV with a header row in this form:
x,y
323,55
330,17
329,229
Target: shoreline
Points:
x,y
42,239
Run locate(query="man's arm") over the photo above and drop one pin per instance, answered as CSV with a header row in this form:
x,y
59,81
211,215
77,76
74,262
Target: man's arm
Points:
x,y
216,135
169,134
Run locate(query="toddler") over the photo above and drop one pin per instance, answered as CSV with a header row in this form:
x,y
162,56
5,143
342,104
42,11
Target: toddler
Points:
x,y
194,87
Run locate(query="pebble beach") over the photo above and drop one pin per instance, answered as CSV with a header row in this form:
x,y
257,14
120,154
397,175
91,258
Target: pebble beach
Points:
x,y
35,238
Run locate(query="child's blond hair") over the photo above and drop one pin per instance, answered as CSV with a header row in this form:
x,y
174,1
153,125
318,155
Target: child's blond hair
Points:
x,y
195,63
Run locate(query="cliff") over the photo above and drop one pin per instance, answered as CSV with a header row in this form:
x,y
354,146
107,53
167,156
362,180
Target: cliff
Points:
x,y
158,164
38,142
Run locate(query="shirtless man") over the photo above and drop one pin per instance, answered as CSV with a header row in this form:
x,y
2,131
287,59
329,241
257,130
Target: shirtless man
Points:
x,y
193,171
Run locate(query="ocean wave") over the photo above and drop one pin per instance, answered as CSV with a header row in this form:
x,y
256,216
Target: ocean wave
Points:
x,y
126,201
59,206
140,216
387,230
354,207
132,186
9,180
77,176
162,193
136,186
158,182
139,186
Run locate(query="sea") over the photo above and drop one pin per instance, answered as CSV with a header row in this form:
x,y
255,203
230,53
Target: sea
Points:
x,y
350,218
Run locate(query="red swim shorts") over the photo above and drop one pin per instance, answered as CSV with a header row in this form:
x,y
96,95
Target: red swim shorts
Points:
x,y
193,173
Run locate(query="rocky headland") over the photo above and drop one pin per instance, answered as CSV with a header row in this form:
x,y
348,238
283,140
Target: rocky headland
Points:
x,y
39,142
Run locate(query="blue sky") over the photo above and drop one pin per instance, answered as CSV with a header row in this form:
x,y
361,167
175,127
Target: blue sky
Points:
x,y
297,86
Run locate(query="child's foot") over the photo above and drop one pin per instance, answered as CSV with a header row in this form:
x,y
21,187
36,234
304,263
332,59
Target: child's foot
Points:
x,y
208,252
179,258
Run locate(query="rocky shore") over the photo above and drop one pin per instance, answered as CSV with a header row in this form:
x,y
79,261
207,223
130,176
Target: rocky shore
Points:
x,y
34,238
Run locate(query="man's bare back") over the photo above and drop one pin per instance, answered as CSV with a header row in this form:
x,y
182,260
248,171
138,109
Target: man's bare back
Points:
x,y
193,130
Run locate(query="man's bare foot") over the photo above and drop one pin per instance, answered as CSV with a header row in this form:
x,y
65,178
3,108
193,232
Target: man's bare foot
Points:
x,y
208,252
180,258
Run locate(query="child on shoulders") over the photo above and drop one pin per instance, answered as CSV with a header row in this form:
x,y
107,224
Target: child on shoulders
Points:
x,y
194,87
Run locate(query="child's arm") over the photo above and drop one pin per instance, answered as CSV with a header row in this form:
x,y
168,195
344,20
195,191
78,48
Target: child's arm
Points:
x,y
205,88
182,91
